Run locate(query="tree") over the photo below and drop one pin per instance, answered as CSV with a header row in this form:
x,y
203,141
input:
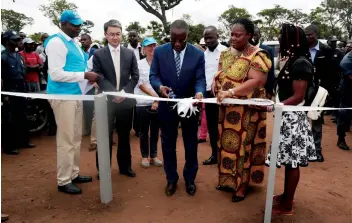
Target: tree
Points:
x,y
86,26
233,13
195,33
36,37
272,19
159,8
55,8
297,17
345,7
136,27
157,30
12,20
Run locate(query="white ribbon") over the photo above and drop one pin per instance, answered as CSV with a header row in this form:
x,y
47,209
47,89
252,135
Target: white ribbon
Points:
x,y
185,107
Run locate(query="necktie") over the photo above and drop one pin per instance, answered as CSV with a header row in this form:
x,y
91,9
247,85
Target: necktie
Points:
x,y
117,67
178,64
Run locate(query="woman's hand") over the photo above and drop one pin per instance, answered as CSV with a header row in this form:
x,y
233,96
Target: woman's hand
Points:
x,y
222,95
155,105
214,90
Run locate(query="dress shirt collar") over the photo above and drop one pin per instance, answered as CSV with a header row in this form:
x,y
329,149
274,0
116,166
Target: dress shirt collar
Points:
x,y
219,48
182,52
316,47
65,35
111,48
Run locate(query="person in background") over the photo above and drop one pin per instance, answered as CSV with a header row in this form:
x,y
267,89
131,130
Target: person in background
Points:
x,y
21,46
33,65
16,134
296,145
134,45
146,109
88,46
118,69
169,79
242,73
212,57
321,56
166,40
336,60
348,47
40,49
269,85
67,64
345,116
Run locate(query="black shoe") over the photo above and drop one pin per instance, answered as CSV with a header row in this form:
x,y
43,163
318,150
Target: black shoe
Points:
x,y
70,189
28,146
201,140
342,145
12,152
170,189
191,188
128,173
237,198
320,157
82,179
210,161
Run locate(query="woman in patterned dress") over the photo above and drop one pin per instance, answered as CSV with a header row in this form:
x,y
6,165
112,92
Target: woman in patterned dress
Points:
x,y
242,74
296,145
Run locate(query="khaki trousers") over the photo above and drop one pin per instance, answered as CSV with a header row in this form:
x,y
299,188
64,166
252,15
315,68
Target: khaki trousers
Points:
x,y
93,131
68,117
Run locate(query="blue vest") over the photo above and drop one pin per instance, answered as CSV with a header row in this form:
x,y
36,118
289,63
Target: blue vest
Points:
x,y
74,63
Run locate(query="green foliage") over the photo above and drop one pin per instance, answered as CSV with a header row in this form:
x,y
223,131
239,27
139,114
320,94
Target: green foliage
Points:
x,y
136,27
231,14
54,9
157,30
86,26
12,20
36,37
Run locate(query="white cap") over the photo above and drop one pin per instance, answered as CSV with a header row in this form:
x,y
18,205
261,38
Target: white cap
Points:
x,y
28,40
202,42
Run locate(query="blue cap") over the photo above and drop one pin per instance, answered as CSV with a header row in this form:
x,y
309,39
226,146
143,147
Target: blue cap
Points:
x,y
71,17
13,35
148,41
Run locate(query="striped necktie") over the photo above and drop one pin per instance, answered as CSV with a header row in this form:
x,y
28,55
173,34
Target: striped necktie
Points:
x,y
178,64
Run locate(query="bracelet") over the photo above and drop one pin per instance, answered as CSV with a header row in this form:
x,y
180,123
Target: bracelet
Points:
x,y
232,91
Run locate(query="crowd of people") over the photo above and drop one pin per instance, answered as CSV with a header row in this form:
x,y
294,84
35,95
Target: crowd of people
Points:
x,y
178,69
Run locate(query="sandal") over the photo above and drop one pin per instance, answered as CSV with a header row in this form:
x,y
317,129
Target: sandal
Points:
x,y
236,199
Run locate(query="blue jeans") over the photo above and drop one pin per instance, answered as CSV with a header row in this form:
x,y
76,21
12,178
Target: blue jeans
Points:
x,y
148,122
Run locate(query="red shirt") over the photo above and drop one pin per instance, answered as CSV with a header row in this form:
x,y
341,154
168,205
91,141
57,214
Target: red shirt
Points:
x,y
31,59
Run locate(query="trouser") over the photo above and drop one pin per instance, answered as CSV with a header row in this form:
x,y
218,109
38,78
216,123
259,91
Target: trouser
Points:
x,y
123,123
88,113
136,124
93,131
169,121
317,129
203,126
344,121
68,116
148,122
32,86
212,114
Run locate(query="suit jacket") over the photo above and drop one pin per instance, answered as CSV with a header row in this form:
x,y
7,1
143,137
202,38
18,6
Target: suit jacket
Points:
x,y
192,77
323,67
269,86
129,75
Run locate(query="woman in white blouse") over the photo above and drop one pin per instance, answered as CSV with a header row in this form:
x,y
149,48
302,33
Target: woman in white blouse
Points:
x,y
146,109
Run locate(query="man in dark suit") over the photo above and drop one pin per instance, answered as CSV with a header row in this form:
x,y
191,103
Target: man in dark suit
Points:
x,y
118,69
321,56
178,71
269,86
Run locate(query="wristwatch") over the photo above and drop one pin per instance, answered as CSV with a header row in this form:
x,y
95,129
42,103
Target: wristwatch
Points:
x,y
232,91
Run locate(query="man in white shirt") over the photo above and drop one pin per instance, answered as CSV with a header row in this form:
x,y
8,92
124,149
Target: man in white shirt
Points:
x,y
118,68
67,64
212,56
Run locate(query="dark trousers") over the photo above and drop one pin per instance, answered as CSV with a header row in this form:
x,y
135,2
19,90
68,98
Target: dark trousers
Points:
x,y
123,124
212,114
88,113
148,122
169,122
15,129
317,130
136,124
343,121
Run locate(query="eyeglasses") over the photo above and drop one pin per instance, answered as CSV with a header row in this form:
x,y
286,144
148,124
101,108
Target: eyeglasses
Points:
x,y
114,34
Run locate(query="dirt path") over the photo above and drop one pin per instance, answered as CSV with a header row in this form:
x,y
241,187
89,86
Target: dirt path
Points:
x,y
29,190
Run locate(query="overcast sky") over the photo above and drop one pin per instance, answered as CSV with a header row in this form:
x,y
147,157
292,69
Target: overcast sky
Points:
x,y
126,11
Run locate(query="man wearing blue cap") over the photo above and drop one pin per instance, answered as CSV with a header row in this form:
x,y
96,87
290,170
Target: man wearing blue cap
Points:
x,y
67,65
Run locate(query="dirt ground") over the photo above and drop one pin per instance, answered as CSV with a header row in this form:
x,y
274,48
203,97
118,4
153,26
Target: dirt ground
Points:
x,y
29,190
